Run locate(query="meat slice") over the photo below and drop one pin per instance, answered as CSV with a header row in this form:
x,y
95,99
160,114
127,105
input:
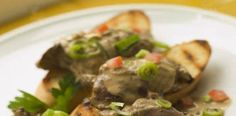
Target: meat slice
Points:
x,y
111,37
125,85
149,107
57,56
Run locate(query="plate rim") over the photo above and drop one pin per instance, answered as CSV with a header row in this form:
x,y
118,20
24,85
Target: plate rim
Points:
x,y
78,13
54,19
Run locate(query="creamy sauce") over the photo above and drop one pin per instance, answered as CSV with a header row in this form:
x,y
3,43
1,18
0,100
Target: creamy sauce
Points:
x,y
200,105
124,83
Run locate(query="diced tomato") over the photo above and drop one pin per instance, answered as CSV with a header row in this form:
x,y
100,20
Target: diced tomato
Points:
x,y
137,30
116,62
218,95
154,57
187,102
102,28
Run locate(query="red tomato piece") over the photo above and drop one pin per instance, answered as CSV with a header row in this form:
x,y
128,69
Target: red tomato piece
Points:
x,y
116,62
218,95
102,28
154,57
137,30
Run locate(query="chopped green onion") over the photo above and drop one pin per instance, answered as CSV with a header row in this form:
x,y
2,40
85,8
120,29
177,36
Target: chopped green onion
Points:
x,y
51,112
206,98
163,103
142,53
148,71
128,63
123,113
160,44
212,112
116,105
126,43
84,49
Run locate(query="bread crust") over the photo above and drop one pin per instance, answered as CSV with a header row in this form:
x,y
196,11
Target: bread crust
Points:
x,y
133,20
193,56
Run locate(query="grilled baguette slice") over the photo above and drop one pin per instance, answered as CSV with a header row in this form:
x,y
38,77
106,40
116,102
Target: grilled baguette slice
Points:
x,y
51,81
193,56
133,20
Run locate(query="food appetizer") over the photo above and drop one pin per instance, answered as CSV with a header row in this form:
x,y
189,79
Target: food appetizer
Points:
x,y
119,69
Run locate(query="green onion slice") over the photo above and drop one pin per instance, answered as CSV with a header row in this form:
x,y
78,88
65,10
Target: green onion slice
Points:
x,y
212,112
51,112
164,103
148,71
142,53
159,44
123,113
116,105
206,98
126,43
84,49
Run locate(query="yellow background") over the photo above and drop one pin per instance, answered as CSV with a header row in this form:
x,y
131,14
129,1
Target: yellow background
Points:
x,y
224,6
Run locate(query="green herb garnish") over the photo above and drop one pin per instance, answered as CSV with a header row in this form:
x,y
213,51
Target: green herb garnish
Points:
x,y
212,112
116,107
148,71
159,44
142,53
84,49
206,98
68,87
28,102
124,44
164,103
63,95
51,112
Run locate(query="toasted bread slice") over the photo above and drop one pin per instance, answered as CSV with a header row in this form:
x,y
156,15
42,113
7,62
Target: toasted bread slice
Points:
x,y
51,81
43,91
134,20
193,56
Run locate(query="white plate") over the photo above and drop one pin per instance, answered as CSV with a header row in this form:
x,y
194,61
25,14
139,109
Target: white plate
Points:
x,y
21,48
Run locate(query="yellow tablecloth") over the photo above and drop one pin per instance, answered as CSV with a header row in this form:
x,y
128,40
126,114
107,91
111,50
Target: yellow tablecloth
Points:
x,y
224,6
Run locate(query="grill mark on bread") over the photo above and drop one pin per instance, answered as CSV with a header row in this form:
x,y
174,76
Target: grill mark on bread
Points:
x,y
195,56
205,45
189,56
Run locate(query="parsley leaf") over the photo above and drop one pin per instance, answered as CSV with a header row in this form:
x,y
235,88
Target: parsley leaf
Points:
x,y
63,95
28,102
